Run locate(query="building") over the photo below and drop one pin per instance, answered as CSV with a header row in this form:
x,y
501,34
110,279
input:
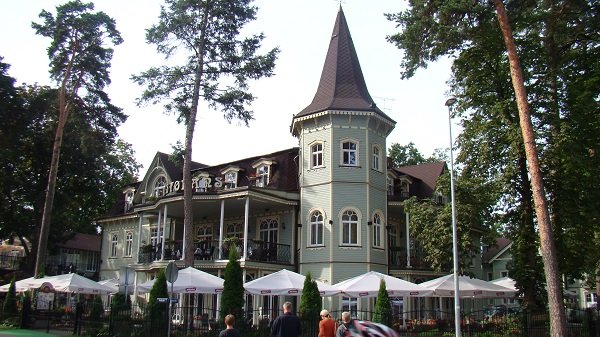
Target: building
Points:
x,y
79,254
331,206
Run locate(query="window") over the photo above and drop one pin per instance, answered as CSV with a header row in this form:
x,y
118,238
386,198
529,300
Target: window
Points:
x,y
490,276
404,188
390,185
203,182
235,230
159,186
231,180
349,228
128,243
504,274
349,154
350,304
316,155
128,200
377,231
392,236
113,245
154,236
268,230
316,228
262,176
376,158
204,233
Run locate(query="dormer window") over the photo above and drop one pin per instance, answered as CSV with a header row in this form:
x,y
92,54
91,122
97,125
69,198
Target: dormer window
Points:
x,y
230,177
128,201
160,185
263,171
349,153
202,182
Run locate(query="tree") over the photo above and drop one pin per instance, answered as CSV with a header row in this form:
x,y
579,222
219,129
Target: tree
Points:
x,y
79,59
383,308
310,301
232,299
158,311
407,155
9,309
558,50
219,65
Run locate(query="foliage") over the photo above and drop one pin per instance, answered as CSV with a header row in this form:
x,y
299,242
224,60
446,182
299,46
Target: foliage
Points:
x,y
559,53
232,299
220,61
9,309
92,165
310,301
407,155
80,57
383,307
159,290
97,309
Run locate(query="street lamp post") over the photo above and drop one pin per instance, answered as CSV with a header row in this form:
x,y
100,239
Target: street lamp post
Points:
x,y
449,103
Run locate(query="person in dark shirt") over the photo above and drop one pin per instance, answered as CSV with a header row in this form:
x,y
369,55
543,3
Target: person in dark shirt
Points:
x,y
286,325
230,331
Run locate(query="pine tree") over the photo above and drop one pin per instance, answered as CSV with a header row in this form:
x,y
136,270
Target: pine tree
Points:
x,y
383,309
157,310
232,299
10,303
310,301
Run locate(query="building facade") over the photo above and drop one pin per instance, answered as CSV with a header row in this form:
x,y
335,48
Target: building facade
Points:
x,y
332,206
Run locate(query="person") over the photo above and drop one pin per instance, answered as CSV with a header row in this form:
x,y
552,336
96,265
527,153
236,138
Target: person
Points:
x,y
327,325
230,331
345,328
286,325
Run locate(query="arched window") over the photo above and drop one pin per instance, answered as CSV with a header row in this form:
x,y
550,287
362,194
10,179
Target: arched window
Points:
x,y
349,228
268,230
377,231
159,186
235,230
204,233
114,241
128,243
316,228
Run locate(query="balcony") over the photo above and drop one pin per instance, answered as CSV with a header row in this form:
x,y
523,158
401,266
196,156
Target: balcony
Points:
x,y
258,251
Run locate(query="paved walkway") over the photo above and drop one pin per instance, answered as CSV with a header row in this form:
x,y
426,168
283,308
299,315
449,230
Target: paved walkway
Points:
x,y
32,333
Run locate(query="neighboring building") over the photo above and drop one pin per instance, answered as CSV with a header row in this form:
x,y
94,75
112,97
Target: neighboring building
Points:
x,y
495,260
331,206
80,254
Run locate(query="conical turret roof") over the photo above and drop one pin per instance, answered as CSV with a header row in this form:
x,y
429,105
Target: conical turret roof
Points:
x,y
342,85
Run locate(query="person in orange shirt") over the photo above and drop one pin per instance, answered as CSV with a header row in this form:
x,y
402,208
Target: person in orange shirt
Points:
x,y
327,325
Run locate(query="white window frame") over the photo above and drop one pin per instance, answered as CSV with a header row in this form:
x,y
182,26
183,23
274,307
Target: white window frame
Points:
x,y
347,153
262,175
128,244
377,230
377,154
114,242
234,229
269,230
316,155
231,179
350,304
204,232
159,186
316,229
154,236
129,194
350,224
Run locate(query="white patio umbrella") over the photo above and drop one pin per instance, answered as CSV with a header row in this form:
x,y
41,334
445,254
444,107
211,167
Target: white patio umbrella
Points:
x,y
367,285
190,280
468,287
284,282
23,285
112,283
75,283
505,282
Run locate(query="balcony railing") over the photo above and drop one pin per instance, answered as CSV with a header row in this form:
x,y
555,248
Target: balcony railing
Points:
x,y
398,260
259,251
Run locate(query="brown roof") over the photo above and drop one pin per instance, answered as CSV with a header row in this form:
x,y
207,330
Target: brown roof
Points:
x,y
175,170
80,241
490,252
342,85
427,173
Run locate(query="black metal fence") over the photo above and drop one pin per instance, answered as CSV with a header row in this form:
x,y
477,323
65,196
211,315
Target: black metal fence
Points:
x,y
87,319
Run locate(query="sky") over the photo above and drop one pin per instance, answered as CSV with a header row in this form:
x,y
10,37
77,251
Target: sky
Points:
x,y
300,28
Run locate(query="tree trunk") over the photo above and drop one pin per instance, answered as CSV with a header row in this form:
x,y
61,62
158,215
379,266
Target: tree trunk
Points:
x,y
188,211
555,298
